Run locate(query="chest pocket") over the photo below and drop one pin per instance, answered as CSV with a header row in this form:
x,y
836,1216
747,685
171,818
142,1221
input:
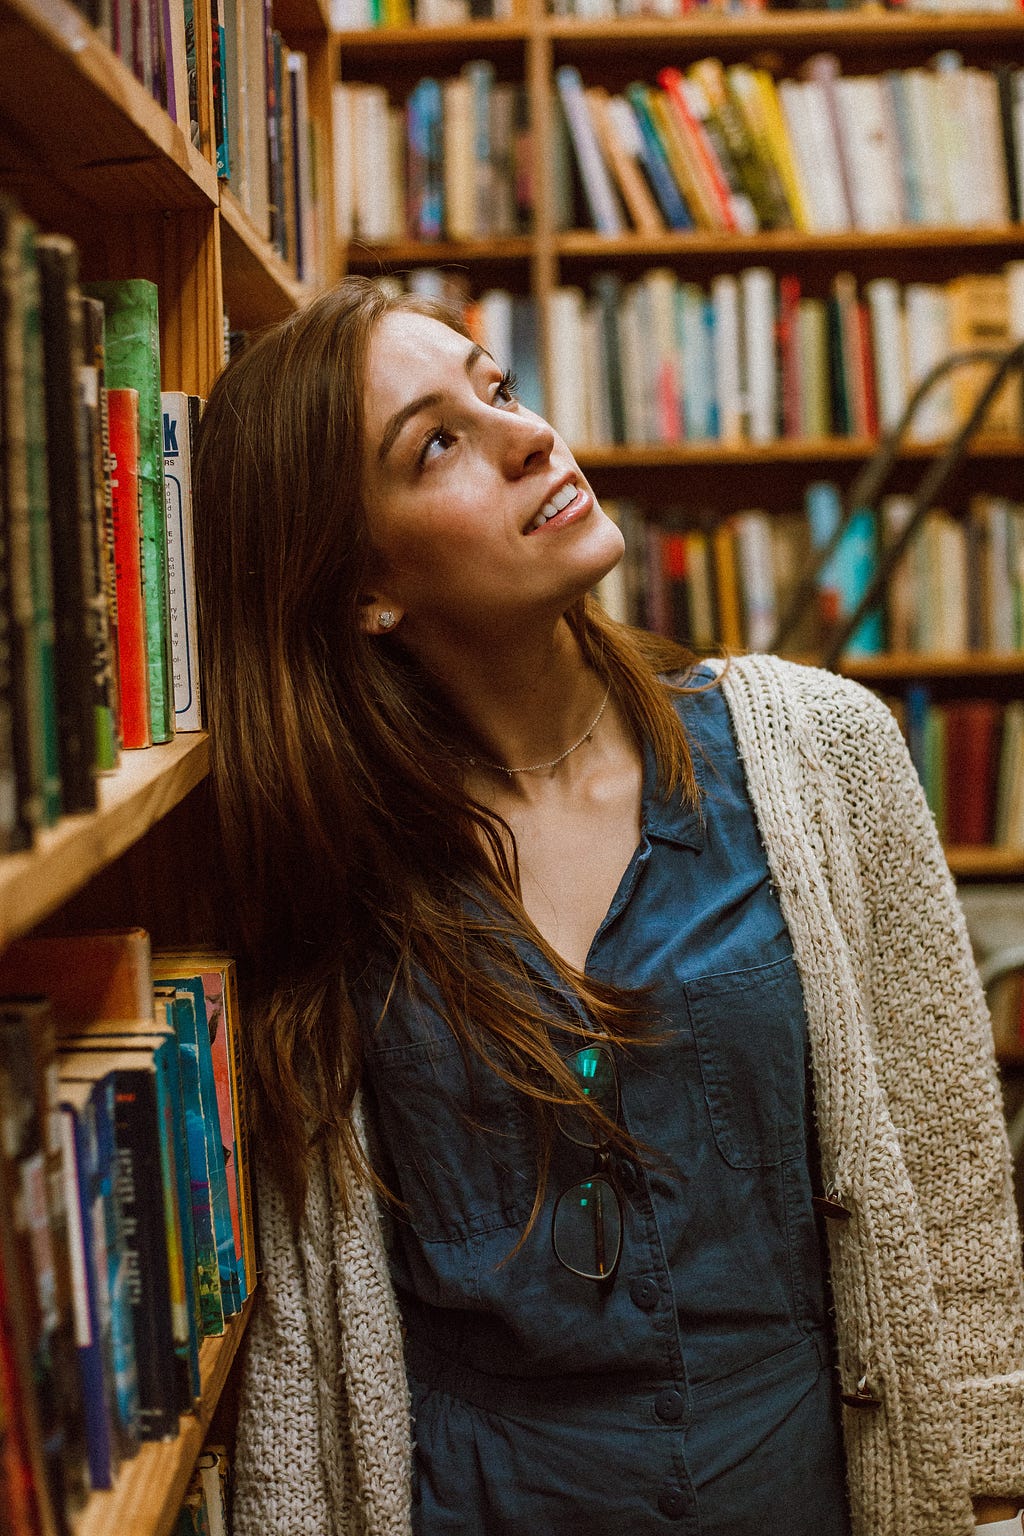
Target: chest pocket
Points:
x,y
750,1031
459,1141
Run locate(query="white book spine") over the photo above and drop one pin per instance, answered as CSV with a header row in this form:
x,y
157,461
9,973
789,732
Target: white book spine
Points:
x,y
341,138
756,566
874,179
565,343
888,343
634,371
181,570
597,182
757,290
725,298
927,332
496,318
919,91
807,117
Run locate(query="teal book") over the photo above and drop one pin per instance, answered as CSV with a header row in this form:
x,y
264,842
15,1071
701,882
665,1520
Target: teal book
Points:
x,y
133,362
202,1146
126,1380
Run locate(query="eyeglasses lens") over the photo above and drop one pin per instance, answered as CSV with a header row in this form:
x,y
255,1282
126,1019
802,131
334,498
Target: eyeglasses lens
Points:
x,y
587,1229
594,1070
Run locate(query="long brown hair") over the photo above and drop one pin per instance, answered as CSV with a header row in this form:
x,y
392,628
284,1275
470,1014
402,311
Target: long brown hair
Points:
x,y
348,832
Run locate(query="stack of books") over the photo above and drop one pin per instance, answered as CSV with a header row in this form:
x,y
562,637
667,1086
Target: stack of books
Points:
x,y
98,644
731,149
126,1223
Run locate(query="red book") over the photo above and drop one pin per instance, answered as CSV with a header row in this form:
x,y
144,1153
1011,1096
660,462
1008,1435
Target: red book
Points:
x,y
867,366
789,354
672,83
972,736
132,669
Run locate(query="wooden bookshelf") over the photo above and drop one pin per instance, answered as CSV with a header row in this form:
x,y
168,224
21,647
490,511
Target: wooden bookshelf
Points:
x,y
259,288
906,666
986,863
813,30
148,1493
587,245
810,451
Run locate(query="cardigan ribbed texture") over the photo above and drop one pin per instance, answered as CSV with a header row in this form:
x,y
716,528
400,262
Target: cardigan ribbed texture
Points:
x,y
926,1274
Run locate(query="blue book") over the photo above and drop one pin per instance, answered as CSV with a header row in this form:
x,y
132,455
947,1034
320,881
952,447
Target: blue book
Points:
x,y
423,149
655,163
211,1308
525,353
917,708
856,562
88,1245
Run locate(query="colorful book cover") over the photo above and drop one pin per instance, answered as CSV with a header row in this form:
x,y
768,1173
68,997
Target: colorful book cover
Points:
x,y
220,989
160,1045
663,185
133,671
424,161
44,703
141,1184
87,1232
122,1332
133,362
231,1280
211,1307
71,520
180,415
103,580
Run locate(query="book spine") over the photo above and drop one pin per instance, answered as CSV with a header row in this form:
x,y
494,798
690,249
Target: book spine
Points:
x,y
133,671
180,416
103,572
207,1271
663,184
597,184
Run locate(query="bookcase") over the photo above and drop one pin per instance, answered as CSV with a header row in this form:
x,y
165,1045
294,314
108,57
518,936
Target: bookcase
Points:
x,y
86,151
719,474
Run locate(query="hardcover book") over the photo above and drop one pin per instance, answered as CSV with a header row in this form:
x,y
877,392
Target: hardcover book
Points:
x,y
133,362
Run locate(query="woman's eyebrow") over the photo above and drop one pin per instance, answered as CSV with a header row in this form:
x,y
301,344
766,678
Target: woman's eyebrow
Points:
x,y
422,403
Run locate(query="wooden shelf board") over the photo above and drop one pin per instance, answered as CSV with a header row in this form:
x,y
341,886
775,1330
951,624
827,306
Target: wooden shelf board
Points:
x,y
144,788
986,863
966,664
796,29
585,244
294,18
71,109
758,455
437,252
473,34
148,1493
259,287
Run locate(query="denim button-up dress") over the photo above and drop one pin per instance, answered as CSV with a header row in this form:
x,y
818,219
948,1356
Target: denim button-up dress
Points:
x,y
694,1394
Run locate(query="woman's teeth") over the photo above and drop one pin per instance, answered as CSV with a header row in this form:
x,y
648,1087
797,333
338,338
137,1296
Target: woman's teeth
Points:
x,y
558,503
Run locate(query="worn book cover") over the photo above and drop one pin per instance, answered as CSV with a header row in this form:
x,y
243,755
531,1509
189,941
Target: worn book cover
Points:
x,y
133,362
180,415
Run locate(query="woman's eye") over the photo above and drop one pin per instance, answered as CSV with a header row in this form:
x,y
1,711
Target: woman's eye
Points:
x,y
435,445
506,390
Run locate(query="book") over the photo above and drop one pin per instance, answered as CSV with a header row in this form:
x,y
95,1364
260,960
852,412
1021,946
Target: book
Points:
x,y
144,1235
103,582
186,980
33,1177
71,524
679,93
159,1044
597,186
180,417
971,744
220,990
18,794
656,166
133,362
133,671
621,152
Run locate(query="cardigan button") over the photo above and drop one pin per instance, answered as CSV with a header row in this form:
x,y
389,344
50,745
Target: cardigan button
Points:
x,y
861,1397
644,1293
831,1208
669,1406
672,1502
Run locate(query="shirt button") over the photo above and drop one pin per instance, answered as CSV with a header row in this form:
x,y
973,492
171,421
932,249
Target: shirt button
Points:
x,y
669,1406
672,1502
644,1293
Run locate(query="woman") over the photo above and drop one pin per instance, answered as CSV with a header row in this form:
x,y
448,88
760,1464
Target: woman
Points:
x,y
548,955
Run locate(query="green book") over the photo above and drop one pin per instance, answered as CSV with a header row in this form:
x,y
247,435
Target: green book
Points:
x,y
133,362
27,510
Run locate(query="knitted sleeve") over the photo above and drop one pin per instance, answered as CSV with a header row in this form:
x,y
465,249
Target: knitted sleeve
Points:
x,y
933,1044
280,1482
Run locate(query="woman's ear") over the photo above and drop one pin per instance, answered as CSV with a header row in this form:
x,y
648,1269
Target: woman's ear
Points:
x,y
377,616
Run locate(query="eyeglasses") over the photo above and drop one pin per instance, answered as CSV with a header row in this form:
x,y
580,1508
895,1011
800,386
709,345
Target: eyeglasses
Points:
x,y
586,1224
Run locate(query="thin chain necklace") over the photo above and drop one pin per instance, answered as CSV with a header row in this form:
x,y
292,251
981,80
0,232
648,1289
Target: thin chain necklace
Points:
x,y
480,762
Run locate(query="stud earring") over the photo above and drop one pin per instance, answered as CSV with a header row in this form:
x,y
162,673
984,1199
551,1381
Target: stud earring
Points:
x,y
386,619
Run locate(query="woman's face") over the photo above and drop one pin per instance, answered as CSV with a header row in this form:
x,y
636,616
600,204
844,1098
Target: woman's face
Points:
x,y
477,510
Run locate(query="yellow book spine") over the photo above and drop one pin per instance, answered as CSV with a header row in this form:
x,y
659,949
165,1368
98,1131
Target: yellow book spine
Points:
x,y
774,124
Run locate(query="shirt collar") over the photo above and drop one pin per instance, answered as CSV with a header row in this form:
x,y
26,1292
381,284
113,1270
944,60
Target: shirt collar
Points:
x,y
672,819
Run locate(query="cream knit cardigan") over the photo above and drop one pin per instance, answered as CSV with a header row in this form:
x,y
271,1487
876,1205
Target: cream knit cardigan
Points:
x,y
926,1275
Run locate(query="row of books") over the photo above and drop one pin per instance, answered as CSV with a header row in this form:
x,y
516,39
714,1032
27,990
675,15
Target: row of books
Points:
x,y
156,39
126,1219
606,10
729,148
98,645
730,580
753,358
453,161
347,15
969,755
268,148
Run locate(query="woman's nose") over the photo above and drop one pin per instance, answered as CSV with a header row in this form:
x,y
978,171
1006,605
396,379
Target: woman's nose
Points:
x,y
528,442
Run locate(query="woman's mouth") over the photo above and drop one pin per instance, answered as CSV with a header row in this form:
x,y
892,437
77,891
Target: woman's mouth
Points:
x,y
560,502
